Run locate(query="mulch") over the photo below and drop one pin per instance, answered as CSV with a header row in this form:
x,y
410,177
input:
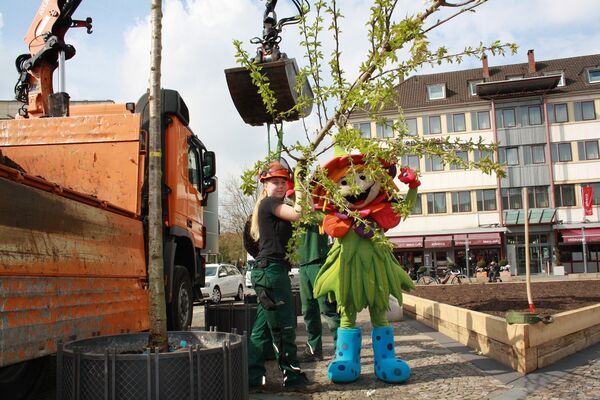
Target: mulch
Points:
x,y
549,298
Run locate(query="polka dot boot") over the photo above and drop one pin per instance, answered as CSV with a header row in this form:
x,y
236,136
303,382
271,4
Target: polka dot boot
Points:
x,y
388,368
346,366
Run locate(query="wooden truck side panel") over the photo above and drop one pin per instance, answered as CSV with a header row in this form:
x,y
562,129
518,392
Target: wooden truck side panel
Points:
x,y
56,254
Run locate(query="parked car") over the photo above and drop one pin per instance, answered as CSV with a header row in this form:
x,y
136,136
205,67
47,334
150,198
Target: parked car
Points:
x,y
294,276
223,280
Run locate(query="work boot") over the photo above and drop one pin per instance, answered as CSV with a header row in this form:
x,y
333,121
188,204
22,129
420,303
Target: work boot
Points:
x,y
310,355
388,368
346,366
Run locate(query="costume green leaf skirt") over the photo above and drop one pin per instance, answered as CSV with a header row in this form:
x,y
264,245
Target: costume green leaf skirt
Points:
x,y
361,273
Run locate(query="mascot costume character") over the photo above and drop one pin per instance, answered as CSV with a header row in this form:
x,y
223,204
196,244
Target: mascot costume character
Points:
x,y
362,272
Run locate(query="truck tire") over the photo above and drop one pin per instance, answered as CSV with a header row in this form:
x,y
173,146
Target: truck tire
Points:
x,y
180,310
19,381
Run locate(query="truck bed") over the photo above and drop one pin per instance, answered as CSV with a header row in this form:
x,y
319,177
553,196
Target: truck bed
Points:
x,y
71,266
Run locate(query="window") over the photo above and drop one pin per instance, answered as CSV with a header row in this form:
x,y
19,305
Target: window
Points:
x,y
436,92
534,114
486,200
411,161
561,152
456,122
584,111
538,197
505,118
461,201
564,195
434,163
555,73
432,125
512,199
364,128
481,154
558,113
464,156
480,120
534,154
418,207
593,75
595,191
588,150
508,155
384,130
194,168
411,124
473,86
436,203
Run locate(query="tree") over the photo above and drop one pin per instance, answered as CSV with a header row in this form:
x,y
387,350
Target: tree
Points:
x,y
336,97
157,310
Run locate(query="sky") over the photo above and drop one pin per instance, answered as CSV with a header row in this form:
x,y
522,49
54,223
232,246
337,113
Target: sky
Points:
x,y
113,62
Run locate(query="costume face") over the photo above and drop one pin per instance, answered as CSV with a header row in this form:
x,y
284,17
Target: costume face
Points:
x,y
368,189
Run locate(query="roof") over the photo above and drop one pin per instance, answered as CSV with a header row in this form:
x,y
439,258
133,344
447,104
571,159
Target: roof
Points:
x,y
412,93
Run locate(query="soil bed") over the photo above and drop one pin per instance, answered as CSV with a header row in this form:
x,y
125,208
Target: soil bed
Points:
x,y
498,298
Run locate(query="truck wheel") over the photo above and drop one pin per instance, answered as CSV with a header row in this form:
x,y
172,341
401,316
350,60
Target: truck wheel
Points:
x,y
180,311
20,380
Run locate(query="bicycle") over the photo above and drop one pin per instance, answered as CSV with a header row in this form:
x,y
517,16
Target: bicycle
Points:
x,y
451,277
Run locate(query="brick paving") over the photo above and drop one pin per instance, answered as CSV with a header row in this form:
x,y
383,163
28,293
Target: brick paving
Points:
x,y
441,369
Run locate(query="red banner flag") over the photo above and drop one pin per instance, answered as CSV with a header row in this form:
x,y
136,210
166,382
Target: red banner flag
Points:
x,y
588,196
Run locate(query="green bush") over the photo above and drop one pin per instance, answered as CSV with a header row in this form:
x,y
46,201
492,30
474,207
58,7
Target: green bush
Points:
x,y
503,262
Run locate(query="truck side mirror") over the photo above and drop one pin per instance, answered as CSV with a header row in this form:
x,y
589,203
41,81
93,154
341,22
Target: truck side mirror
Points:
x,y
209,164
210,184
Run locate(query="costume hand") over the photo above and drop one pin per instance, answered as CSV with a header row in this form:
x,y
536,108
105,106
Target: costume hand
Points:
x,y
409,176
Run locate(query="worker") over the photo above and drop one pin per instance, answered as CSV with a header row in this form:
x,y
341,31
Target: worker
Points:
x,y
312,252
275,316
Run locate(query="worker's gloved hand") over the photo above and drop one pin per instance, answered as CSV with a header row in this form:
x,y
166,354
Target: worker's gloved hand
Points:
x,y
299,174
409,176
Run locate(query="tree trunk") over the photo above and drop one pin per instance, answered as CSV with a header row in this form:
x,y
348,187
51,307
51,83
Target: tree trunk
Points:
x,y
157,311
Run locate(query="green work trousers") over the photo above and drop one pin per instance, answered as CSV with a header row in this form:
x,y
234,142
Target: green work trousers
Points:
x,y
312,309
274,325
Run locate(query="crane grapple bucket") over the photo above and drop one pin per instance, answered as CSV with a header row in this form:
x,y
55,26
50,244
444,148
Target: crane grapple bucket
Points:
x,y
282,75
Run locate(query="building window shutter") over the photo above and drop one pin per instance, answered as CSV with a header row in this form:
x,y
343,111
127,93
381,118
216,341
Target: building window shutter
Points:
x,y
450,122
578,113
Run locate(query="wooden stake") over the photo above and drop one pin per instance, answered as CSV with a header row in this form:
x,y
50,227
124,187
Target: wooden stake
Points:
x,y
527,258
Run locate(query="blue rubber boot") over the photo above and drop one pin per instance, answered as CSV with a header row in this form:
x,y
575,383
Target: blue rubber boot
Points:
x,y
346,366
388,368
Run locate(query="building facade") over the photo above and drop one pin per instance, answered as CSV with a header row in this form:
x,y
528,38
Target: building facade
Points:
x,y
543,116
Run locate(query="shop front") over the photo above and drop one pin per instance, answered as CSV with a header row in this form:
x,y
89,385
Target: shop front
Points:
x,y
580,249
483,247
409,252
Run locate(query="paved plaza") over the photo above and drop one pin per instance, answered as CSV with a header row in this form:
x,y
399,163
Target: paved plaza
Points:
x,y
442,369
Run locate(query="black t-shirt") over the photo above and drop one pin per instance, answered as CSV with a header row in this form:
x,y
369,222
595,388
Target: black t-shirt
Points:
x,y
274,232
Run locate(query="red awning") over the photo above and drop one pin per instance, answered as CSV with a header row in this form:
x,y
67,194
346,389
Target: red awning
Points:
x,y
478,239
407,242
575,236
438,241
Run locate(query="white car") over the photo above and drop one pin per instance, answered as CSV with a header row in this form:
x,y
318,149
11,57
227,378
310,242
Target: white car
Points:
x,y
223,280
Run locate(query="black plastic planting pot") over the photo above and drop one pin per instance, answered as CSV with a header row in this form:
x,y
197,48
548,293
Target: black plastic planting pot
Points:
x,y
206,365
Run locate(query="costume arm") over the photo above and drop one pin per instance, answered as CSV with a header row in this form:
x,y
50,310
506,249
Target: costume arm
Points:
x,y
336,225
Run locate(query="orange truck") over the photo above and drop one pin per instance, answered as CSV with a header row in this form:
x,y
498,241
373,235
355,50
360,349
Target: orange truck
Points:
x,y
73,212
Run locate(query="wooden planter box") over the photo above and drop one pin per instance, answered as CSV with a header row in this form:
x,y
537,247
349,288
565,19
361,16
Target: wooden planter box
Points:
x,y
481,277
505,276
523,348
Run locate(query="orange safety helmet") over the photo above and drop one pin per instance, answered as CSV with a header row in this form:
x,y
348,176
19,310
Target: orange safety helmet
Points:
x,y
276,169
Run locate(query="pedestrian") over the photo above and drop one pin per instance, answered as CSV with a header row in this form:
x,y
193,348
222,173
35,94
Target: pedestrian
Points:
x,y
312,251
493,271
275,316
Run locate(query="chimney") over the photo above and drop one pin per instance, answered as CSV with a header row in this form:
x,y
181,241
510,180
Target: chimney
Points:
x,y
530,62
486,70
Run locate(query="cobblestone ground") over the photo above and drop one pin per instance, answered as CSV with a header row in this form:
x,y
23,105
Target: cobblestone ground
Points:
x,y
582,384
437,373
